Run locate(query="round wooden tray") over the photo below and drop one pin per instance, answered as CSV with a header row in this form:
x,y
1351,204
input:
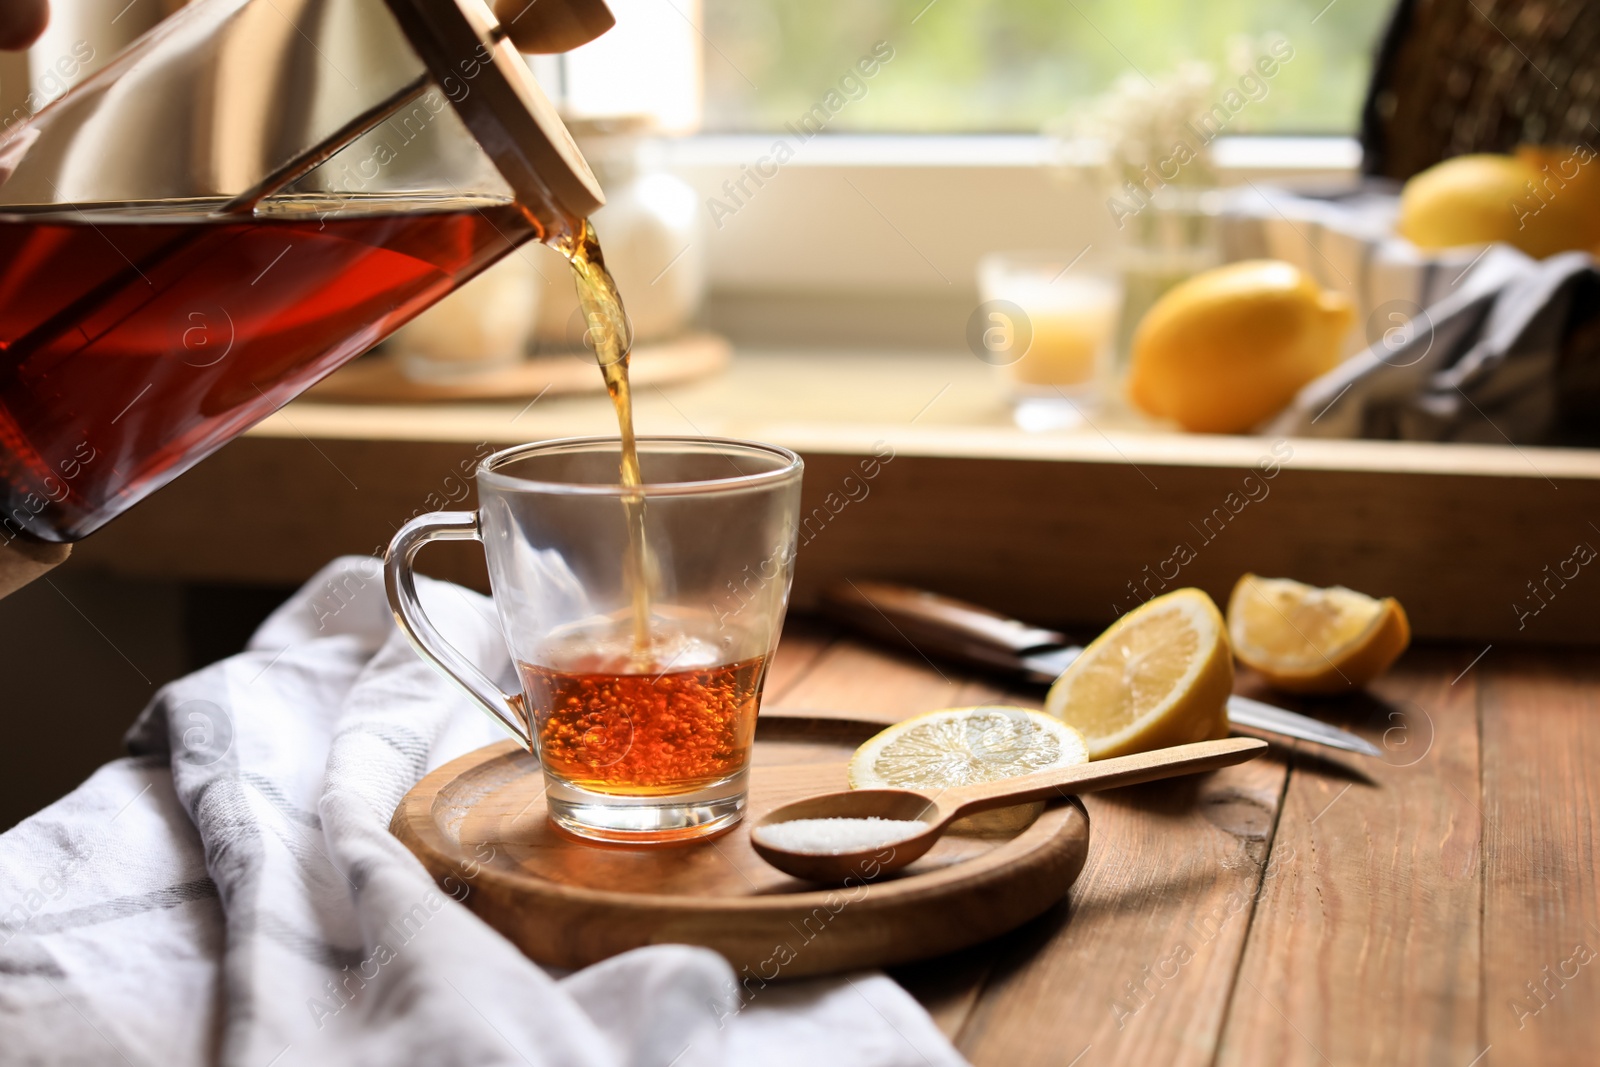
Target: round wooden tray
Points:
x,y
478,824
379,380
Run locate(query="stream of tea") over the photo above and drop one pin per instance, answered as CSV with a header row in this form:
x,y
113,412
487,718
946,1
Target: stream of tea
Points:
x,y
609,333
664,717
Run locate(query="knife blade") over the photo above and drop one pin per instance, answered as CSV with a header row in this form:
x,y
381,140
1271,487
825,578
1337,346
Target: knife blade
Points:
x,y
979,637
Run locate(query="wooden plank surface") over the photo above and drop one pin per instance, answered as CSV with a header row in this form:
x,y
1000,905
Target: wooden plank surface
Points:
x,y
1434,906
1135,968
1541,816
1373,915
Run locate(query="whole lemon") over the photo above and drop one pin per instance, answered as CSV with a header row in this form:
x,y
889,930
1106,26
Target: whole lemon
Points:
x,y
1230,347
1482,198
1568,172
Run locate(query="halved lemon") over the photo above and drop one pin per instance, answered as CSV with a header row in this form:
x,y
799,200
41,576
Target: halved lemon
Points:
x,y
1159,676
965,746
1309,640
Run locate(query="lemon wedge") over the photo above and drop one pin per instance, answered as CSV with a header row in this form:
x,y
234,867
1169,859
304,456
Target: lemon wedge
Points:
x,y
965,746
1159,676
1309,640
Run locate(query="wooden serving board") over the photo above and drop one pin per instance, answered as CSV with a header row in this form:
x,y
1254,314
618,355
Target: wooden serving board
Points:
x,y
378,379
478,824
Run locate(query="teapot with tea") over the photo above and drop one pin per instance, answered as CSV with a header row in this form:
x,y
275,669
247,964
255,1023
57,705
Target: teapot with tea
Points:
x,y
251,195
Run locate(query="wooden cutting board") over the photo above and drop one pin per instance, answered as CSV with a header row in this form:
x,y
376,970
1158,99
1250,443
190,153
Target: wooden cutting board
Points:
x,y
377,379
478,824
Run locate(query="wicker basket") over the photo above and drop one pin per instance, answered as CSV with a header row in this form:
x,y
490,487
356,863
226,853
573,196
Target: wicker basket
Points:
x,y
1459,76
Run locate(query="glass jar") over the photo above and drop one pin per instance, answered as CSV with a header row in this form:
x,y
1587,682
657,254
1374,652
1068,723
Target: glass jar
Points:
x,y
1173,237
654,245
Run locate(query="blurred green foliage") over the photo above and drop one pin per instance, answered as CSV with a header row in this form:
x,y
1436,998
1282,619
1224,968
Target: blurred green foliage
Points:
x,y
1013,65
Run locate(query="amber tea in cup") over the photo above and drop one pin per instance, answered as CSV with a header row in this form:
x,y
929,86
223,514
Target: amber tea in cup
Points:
x,y
641,619
610,731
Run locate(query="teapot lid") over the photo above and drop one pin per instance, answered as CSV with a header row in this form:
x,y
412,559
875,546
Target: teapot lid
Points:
x,y
493,91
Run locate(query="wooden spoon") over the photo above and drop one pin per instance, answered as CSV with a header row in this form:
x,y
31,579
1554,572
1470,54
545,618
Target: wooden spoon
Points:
x,y
938,809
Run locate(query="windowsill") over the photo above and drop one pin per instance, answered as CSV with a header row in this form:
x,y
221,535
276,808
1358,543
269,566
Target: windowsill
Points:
x,y
874,240
1233,155
928,403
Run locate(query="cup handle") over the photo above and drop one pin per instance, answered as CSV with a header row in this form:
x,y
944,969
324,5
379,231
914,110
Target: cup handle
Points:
x,y
401,582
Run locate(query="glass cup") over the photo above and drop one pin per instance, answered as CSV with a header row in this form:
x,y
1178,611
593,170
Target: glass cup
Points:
x,y
1048,329
641,660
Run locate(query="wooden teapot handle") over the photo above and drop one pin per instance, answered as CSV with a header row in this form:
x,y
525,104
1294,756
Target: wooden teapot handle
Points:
x,y
545,27
23,561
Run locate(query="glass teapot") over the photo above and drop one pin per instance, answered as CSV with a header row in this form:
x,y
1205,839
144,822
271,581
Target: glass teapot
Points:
x,y
252,194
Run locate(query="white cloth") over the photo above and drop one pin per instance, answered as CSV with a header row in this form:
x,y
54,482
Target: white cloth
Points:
x,y
231,893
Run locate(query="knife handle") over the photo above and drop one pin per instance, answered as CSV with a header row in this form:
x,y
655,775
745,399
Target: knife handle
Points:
x,y
898,614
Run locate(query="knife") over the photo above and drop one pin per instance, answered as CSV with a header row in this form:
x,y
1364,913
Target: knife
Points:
x,y
944,626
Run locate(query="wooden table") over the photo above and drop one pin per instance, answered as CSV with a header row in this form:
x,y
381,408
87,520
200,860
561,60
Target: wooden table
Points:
x,y
1437,906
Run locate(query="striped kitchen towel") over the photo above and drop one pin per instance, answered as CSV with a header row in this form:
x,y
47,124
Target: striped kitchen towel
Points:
x,y
1480,344
1346,241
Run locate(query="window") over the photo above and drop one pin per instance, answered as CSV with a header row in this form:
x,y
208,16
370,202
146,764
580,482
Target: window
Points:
x,y
979,65
958,68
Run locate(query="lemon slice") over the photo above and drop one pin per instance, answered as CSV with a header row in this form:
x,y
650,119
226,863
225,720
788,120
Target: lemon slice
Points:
x,y
1309,640
964,746
1159,676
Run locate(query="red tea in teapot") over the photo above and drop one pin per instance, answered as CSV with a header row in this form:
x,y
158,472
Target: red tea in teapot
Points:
x,y
137,339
